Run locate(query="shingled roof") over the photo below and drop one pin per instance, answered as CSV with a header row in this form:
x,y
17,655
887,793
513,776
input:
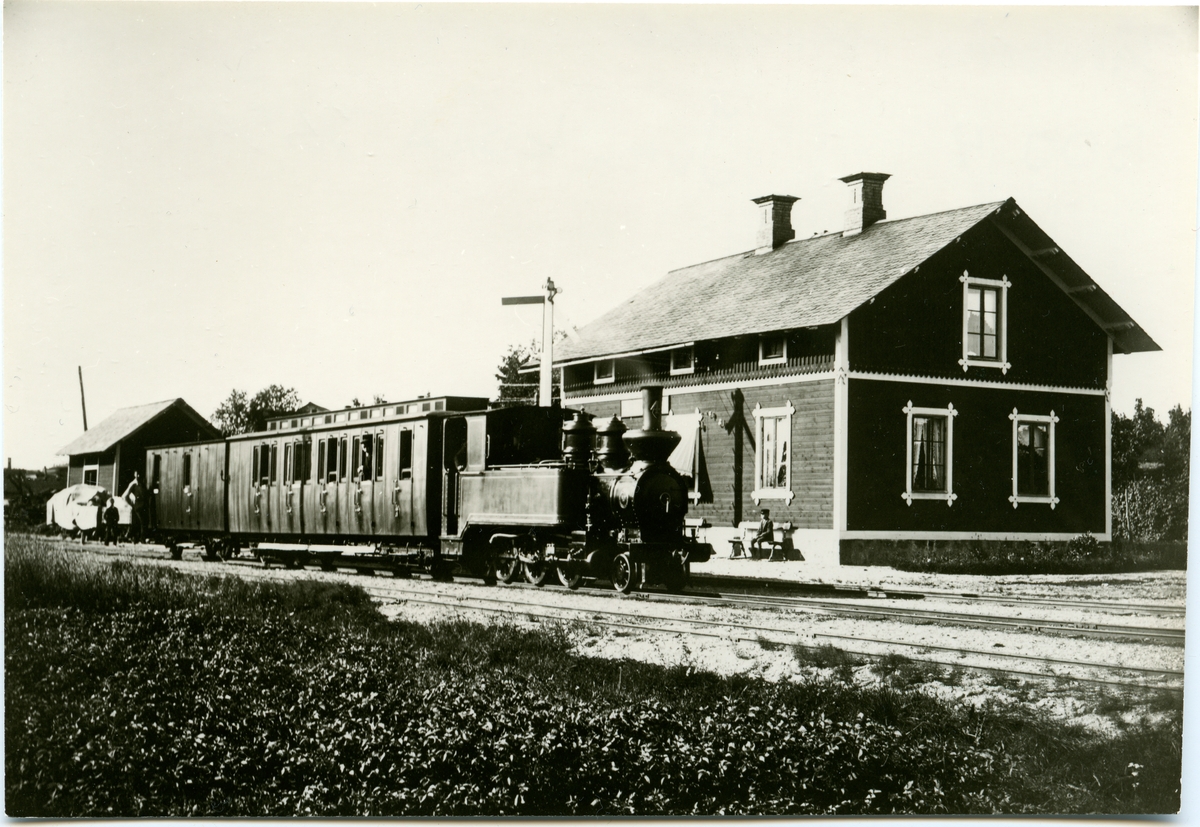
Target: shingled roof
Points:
x,y
814,281
126,421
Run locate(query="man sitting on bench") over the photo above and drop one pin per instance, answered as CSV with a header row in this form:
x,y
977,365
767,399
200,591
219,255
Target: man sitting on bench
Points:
x,y
766,534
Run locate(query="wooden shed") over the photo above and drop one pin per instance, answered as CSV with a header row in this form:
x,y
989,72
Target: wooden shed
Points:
x,y
110,453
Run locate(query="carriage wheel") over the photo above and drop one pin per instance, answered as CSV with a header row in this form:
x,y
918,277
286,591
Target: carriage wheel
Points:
x,y
536,573
622,573
570,580
507,569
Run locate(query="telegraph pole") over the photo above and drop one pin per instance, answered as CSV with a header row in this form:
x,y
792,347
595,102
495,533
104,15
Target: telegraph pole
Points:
x,y
82,403
546,371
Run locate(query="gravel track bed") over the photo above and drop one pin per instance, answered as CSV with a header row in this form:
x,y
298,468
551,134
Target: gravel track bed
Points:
x,y
1100,707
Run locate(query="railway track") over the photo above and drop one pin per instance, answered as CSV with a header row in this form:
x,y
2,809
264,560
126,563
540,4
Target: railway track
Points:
x,y
1101,630
634,616
637,619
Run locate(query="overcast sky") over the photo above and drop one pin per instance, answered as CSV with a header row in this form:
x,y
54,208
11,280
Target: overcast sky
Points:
x,y
201,197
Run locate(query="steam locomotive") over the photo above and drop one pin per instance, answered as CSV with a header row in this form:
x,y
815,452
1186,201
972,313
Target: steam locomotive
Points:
x,y
497,494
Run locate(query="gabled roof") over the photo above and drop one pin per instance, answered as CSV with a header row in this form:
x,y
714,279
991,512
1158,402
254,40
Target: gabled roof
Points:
x,y
125,422
818,281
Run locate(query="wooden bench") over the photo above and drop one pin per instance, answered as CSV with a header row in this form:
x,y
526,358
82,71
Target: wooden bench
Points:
x,y
781,543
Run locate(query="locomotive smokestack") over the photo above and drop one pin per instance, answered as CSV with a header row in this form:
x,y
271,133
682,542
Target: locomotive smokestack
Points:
x,y
652,408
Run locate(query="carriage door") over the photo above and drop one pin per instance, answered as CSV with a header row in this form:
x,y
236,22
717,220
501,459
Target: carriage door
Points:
x,y
403,515
294,473
189,507
260,486
362,448
323,520
454,459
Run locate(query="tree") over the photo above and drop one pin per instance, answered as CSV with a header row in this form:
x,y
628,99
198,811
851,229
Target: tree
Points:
x,y
518,388
240,415
1150,470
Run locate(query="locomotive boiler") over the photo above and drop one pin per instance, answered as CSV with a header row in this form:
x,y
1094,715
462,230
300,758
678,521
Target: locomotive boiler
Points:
x,y
502,493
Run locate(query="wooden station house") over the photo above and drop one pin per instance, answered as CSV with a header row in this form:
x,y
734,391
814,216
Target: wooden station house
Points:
x,y
945,376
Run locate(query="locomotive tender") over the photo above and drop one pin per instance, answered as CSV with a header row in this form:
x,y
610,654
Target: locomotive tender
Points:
x,y
500,493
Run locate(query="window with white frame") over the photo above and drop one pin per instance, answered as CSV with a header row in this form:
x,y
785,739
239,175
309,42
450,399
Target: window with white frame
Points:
x,y
773,453
605,372
772,349
683,360
929,458
91,473
985,322
1033,458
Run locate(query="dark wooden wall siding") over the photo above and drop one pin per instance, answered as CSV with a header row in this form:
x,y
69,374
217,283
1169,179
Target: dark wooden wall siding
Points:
x,y
915,326
982,471
727,442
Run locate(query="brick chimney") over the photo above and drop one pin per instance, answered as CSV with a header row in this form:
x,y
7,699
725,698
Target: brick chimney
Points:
x,y
866,201
776,227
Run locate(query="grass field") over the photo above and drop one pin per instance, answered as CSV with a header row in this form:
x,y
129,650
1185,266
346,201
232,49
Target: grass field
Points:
x,y
140,691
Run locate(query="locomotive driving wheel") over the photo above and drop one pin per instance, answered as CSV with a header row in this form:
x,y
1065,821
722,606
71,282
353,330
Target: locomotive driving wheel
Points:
x,y
507,569
536,573
622,573
675,575
570,579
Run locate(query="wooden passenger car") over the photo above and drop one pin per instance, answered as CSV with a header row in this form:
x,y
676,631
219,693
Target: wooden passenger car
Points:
x,y
187,488
346,481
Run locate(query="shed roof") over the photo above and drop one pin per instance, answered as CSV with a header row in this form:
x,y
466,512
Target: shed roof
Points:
x,y
124,423
817,281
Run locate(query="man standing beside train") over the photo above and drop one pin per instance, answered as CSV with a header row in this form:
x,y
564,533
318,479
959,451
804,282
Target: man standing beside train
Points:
x,y
135,495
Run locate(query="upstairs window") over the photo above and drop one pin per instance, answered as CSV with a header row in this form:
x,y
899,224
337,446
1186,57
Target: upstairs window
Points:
x,y
772,349
683,360
929,457
605,372
1033,459
985,322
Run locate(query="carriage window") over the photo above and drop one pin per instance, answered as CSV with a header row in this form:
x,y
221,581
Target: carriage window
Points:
x,y
331,468
342,445
287,463
356,459
187,469
439,405
156,474
379,456
303,460
321,461
274,470
406,454
366,460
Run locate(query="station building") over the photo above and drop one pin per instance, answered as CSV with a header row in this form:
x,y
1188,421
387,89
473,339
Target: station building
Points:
x,y
940,377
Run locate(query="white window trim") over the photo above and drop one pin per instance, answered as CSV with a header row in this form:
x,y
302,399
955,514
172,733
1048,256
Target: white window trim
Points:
x,y
691,368
760,494
1017,419
777,360
612,375
87,468
948,495
1002,328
